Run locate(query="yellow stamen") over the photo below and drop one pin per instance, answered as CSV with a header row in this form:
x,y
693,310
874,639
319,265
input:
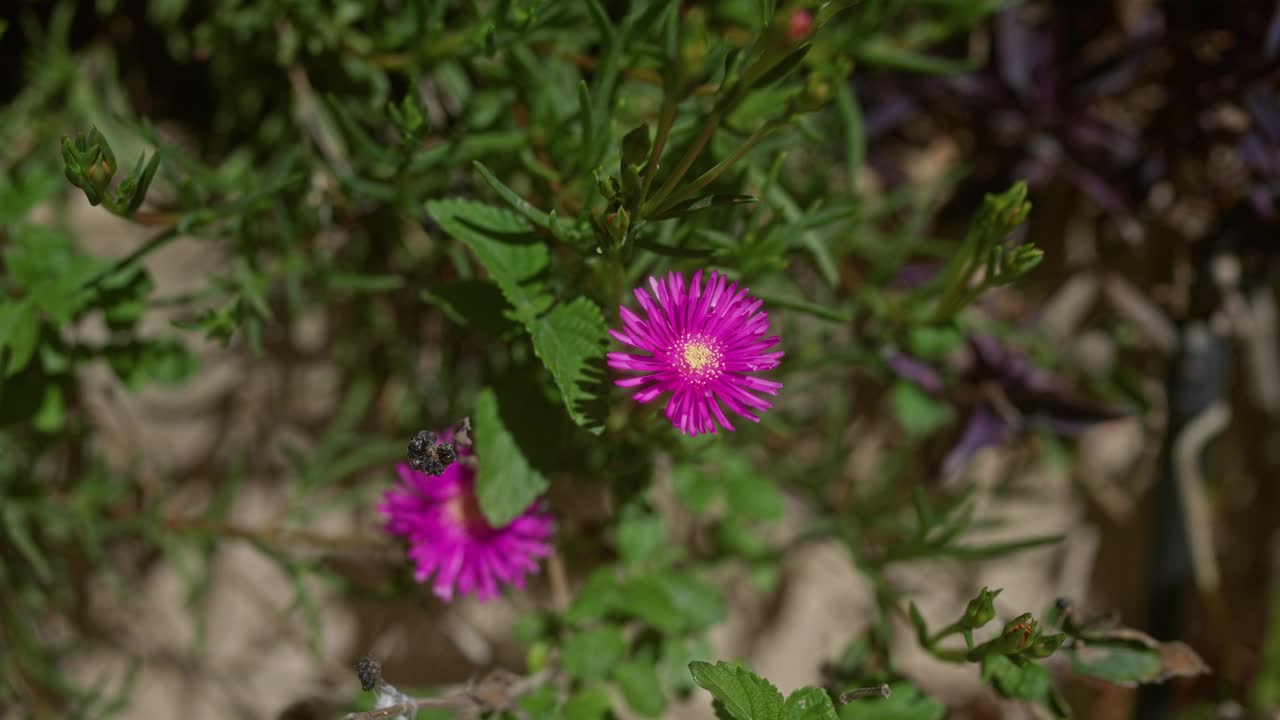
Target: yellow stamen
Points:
x,y
698,356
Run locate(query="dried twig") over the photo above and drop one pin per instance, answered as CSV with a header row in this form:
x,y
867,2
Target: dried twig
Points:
x,y
494,692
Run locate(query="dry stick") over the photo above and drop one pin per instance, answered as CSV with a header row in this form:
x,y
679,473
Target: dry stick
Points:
x,y
876,691
498,690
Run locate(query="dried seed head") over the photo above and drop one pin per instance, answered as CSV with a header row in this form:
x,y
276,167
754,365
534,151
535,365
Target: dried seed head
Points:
x,y
428,455
369,672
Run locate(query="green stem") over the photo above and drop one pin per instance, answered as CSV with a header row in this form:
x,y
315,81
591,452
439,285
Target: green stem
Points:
x,y
954,628
713,122
666,120
710,176
151,246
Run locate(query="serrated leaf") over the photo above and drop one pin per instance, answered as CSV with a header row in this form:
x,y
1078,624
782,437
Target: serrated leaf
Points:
x,y
503,244
809,703
505,482
745,695
638,682
590,655
570,340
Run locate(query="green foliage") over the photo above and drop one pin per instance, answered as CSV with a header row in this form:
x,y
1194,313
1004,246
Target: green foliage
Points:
x,y
459,196
505,483
568,337
747,696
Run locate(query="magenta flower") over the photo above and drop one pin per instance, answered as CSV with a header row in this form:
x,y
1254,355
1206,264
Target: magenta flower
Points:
x,y
449,536
702,342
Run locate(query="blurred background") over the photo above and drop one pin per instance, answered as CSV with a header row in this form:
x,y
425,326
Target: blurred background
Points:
x,y
190,522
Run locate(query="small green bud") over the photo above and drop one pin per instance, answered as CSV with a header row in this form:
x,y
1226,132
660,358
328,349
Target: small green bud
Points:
x,y
635,145
537,656
607,186
618,223
981,610
818,91
1046,645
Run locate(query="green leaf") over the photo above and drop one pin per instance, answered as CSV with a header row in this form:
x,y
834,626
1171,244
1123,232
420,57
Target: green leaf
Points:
x,y
1127,657
809,703
702,203
139,362
15,525
570,340
854,130
638,682
123,296
45,262
512,198
700,605
881,52
905,702
20,333
503,244
745,695
589,703
505,482
595,598
919,413
646,599
754,496
1027,681
474,304
364,282
590,655
51,416
641,536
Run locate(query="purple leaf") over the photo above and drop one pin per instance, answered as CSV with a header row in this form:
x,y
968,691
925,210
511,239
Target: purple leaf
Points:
x,y
983,428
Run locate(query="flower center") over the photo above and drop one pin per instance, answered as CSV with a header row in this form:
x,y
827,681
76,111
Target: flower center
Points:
x,y
464,510
698,355
698,360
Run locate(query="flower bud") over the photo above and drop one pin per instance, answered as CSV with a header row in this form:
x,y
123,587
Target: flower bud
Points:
x,y
799,26
980,610
1018,634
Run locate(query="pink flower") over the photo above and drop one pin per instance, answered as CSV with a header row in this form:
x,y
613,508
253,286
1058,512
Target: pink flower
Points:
x,y
449,536
799,25
702,342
